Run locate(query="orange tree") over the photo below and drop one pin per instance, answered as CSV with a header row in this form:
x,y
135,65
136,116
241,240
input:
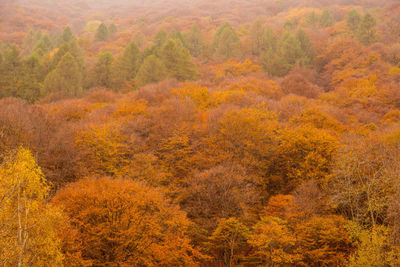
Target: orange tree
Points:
x,y
123,223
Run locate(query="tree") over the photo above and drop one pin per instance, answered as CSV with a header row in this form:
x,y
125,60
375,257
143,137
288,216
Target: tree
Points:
x,y
160,38
67,35
374,248
353,20
324,241
127,65
257,37
102,75
326,19
228,241
177,61
112,29
226,42
194,41
28,226
366,32
274,243
66,78
122,222
305,44
151,71
102,33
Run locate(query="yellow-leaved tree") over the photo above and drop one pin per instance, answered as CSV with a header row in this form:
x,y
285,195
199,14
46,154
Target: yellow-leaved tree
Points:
x,y
28,225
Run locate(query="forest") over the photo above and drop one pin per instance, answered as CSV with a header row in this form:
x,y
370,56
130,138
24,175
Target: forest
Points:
x,y
200,133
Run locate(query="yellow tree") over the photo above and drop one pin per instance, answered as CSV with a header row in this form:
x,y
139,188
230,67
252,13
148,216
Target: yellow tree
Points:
x,y
28,226
273,241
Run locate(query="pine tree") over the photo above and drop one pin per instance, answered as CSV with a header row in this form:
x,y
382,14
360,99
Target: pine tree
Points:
x,y
177,60
67,35
160,38
194,41
353,20
226,42
305,45
112,29
366,33
102,70
326,19
257,37
127,65
151,71
102,33
66,78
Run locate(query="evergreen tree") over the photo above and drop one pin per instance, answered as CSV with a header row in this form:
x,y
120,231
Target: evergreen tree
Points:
x,y
290,50
127,65
177,60
160,38
366,33
72,48
66,78
274,64
112,29
151,71
43,46
102,33
67,35
305,44
226,42
102,70
194,41
353,20
326,19
270,40
257,37
312,20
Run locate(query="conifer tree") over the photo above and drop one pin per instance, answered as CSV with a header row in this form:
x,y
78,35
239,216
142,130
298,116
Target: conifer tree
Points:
x,y
67,35
102,33
194,41
102,71
151,71
326,19
366,33
353,20
257,37
226,42
126,66
66,78
177,60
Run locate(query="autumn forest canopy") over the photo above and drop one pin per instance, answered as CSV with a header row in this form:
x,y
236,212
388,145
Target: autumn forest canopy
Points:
x,y
200,133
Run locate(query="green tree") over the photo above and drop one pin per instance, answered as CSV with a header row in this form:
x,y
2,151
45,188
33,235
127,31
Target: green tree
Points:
x,y
353,20
160,38
127,65
102,73
194,41
366,33
28,226
112,29
305,45
326,19
177,61
43,46
226,42
102,33
66,78
151,71
67,35
257,37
